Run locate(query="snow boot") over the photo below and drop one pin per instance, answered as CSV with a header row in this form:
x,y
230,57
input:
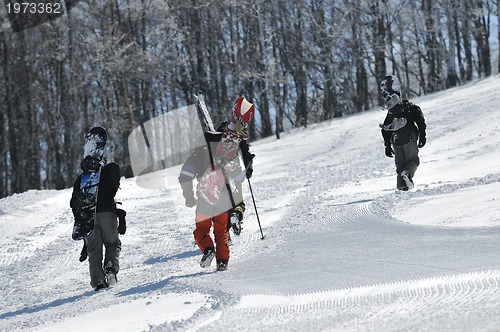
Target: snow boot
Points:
x,y
111,276
101,285
222,265
207,258
407,179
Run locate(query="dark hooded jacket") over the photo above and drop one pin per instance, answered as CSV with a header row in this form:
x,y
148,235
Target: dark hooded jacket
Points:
x,y
415,120
109,182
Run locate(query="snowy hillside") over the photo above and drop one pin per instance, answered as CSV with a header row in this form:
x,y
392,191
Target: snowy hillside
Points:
x,y
343,250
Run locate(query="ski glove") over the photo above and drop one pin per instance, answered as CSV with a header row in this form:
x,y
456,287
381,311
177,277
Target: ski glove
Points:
x,y
389,152
122,224
249,172
249,166
421,141
83,253
190,201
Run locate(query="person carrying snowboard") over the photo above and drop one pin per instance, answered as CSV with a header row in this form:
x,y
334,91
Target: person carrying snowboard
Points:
x,y
403,132
214,162
105,232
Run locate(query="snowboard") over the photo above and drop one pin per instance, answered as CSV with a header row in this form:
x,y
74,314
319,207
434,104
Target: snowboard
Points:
x,y
395,125
95,142
85,200
86,211
225,163
391,91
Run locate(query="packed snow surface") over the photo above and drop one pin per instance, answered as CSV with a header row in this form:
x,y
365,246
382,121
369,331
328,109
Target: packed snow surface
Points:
x,y
343,249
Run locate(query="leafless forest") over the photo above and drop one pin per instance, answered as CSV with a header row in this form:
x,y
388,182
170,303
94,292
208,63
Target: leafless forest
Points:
x,y
119,63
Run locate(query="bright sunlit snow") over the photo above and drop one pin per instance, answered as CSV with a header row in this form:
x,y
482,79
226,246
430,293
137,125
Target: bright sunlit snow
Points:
x,y
343,250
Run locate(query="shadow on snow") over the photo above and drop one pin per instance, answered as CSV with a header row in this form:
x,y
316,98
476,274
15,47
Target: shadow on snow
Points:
x,y
158,285
46,306
162,259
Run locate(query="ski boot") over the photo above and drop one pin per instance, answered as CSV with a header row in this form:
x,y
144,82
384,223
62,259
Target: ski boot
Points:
x,y
236,222
207,258
110,273
405,175
222,265
101,285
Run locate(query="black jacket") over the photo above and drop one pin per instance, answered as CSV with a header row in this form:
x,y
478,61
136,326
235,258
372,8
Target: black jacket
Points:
x,y
414,115
109,183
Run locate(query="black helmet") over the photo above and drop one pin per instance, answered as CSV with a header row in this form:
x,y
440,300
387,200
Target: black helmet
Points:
x,y
91,164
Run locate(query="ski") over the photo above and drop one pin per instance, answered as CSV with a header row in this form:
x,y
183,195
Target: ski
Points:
x,y
206,121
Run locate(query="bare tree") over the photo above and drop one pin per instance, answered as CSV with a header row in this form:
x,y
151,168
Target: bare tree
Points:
x,y
121,63
481,32
378,29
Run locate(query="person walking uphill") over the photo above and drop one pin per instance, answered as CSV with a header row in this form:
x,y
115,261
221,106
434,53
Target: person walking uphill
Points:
x,y
403,132
106,226
215,165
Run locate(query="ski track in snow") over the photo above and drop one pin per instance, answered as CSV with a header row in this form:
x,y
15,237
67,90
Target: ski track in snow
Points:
x,y
380,302
343,250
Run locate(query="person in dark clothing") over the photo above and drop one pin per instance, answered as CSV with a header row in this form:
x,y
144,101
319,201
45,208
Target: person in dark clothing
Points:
x,y
403,131
106,227
219,195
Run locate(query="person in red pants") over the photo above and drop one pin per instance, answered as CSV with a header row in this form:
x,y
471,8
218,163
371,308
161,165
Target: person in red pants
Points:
x,y
214,162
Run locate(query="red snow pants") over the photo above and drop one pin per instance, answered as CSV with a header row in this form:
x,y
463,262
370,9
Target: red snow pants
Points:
x,y
203,238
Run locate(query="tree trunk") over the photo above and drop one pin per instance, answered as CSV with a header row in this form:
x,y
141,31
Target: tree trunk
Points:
x,y
378,31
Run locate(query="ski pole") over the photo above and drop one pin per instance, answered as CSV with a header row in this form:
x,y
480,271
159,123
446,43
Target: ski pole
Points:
x,y
255,207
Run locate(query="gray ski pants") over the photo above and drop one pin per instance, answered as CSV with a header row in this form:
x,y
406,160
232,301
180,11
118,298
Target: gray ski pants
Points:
x,y
105,233
406,158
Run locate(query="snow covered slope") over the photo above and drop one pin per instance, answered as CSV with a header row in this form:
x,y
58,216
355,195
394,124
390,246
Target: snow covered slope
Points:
x,y
343,250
